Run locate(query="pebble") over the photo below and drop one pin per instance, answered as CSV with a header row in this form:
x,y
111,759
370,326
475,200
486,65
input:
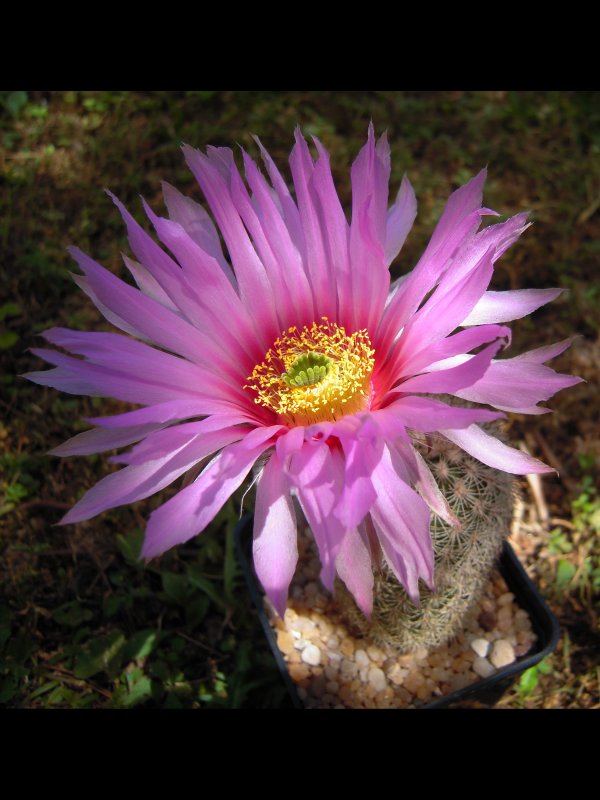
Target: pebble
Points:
x,y
361,658
502,653
311,655
481,647
377,679
285,642
347,647
482,667
334,669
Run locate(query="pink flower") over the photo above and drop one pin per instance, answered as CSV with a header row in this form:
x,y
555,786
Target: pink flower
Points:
x,y
293,352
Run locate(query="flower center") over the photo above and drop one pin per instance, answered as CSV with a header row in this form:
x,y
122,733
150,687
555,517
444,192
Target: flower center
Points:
x,y
315,374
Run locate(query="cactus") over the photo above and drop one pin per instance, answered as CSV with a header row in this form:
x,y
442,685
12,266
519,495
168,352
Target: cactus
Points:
x,y
482,499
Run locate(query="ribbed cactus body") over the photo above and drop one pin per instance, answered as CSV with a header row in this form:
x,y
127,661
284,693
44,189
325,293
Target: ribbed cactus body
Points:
x,y
482,499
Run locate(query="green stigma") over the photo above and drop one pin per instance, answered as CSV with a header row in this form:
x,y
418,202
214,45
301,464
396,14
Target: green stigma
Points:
x,y
307,369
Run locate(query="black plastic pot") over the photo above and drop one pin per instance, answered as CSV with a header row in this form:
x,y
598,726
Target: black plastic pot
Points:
x,y
485,692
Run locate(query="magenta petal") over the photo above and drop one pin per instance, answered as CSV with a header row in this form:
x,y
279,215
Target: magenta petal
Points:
x,y
197,224
255,290
317,264
100,439
542,354
401,519
288,207
506,306
142,480
281,243
514,383
450,381
353,565
424,482
399,220
170,411
427,415
142,314
460,343
290,443
317,475
206,433
493,452
334,222
149,285
363,449
275,546
187,513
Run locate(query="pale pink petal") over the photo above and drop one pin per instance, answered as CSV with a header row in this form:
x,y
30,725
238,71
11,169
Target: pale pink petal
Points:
x,y
148,317
542,354
255,290
317,475
197,223
401,519
449,381
423,480
166,271
146,364
362,445
187,513
149,285
370,274
399,220
288,206
459,221
427,415
353,565
458,344
136,482
335,224
172,410
493,452
316,262
221,314
510,305
100,439
512,383
275,546
275,267
290,443
281,242
370,175
75,376
208,433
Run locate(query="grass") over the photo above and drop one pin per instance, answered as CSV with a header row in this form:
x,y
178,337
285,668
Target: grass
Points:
x,y
82,622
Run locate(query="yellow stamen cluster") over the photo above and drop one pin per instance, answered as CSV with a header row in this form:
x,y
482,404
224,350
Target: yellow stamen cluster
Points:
x,y
315,374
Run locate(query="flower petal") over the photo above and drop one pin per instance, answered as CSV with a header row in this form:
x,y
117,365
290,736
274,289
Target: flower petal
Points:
x,y
401,519
399,220
427,415
506,306
362,444
100,439
197,224
493,452
187,513
316,472
353,565
275,545
142,480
